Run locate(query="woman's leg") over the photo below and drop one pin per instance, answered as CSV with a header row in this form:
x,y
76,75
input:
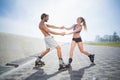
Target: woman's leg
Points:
x,y
80,45
91,56
73,44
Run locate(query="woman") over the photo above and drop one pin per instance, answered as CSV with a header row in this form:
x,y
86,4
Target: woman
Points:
x,y
77,39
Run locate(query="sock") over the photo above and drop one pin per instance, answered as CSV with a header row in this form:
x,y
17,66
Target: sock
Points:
x,y
90,55
61,61
70,60
38,59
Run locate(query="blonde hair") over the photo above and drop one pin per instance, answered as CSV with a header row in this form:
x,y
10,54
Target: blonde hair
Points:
x,y
84,23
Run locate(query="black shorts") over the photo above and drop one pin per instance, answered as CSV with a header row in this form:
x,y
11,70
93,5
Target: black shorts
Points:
x,y
77,40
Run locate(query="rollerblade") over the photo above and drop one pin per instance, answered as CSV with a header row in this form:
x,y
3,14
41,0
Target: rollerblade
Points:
x,y
68,66
62,67
91,56
39,63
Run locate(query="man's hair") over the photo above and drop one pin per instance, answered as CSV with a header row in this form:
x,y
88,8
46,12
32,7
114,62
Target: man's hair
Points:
x,y
43,15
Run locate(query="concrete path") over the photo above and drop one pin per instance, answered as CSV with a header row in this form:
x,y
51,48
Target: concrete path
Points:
x,y
107,60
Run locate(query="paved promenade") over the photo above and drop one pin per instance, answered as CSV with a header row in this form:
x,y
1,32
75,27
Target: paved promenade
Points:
x,y
107,60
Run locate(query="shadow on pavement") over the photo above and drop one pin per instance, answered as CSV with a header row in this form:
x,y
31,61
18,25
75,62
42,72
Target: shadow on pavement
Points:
x,y
41,75
77,75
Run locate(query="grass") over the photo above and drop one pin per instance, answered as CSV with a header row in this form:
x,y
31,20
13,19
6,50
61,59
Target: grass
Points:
x,y
112,44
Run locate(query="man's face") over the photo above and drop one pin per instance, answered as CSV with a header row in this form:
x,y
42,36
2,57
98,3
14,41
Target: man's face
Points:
x,y
46,18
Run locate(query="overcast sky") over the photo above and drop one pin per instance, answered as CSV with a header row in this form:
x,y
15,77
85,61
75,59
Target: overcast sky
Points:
x,y
23,16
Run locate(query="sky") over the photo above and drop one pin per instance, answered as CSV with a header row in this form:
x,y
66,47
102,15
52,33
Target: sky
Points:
x,y
23,16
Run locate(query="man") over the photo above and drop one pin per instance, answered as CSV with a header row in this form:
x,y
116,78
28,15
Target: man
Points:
x,y
49,41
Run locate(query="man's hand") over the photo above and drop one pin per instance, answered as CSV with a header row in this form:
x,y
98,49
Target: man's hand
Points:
x,y
62,27
63,33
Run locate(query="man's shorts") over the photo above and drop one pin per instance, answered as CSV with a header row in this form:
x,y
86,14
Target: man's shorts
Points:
x,y
50,42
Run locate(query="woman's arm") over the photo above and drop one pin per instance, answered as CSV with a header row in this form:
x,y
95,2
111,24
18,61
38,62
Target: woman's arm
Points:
x,y
78,29
70,27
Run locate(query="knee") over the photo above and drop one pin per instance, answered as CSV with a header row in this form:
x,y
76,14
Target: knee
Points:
x,y
47,50
58,48
81,50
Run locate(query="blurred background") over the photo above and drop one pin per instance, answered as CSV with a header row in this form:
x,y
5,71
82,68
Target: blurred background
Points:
x,y
23,17
19,20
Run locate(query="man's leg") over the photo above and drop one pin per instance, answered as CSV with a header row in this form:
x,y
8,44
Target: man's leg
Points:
x,y
38,61
59,53
45,52
61,62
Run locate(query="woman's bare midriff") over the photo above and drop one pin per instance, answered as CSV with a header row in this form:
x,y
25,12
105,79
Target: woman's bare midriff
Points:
x,y
76,35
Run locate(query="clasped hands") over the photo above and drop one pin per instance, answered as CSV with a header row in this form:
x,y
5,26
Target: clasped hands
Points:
x,y
63,33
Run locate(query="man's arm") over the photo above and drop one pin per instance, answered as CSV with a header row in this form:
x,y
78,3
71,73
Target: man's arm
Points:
x,y
55,27
52,32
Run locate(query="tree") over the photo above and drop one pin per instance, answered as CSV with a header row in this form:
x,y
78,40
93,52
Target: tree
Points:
x,y
115,37
108,38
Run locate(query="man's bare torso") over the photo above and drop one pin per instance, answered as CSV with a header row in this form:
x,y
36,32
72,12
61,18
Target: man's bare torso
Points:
x,y
42,27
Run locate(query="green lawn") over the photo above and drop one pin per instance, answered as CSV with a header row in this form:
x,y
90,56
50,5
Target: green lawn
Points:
x,y
113,44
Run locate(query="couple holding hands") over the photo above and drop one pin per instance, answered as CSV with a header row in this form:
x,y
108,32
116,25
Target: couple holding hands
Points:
x,y
51,43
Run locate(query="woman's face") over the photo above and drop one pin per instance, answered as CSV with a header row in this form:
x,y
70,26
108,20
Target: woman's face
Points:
x,y
78,20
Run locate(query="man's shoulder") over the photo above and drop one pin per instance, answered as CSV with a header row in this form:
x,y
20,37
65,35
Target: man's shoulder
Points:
x,y
41,24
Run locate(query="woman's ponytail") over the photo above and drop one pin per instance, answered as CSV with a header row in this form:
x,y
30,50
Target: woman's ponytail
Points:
x,y
84,23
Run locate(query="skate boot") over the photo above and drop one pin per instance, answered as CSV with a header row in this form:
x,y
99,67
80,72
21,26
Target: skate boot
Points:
x,y
62,67
91,56
68,66
39,63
